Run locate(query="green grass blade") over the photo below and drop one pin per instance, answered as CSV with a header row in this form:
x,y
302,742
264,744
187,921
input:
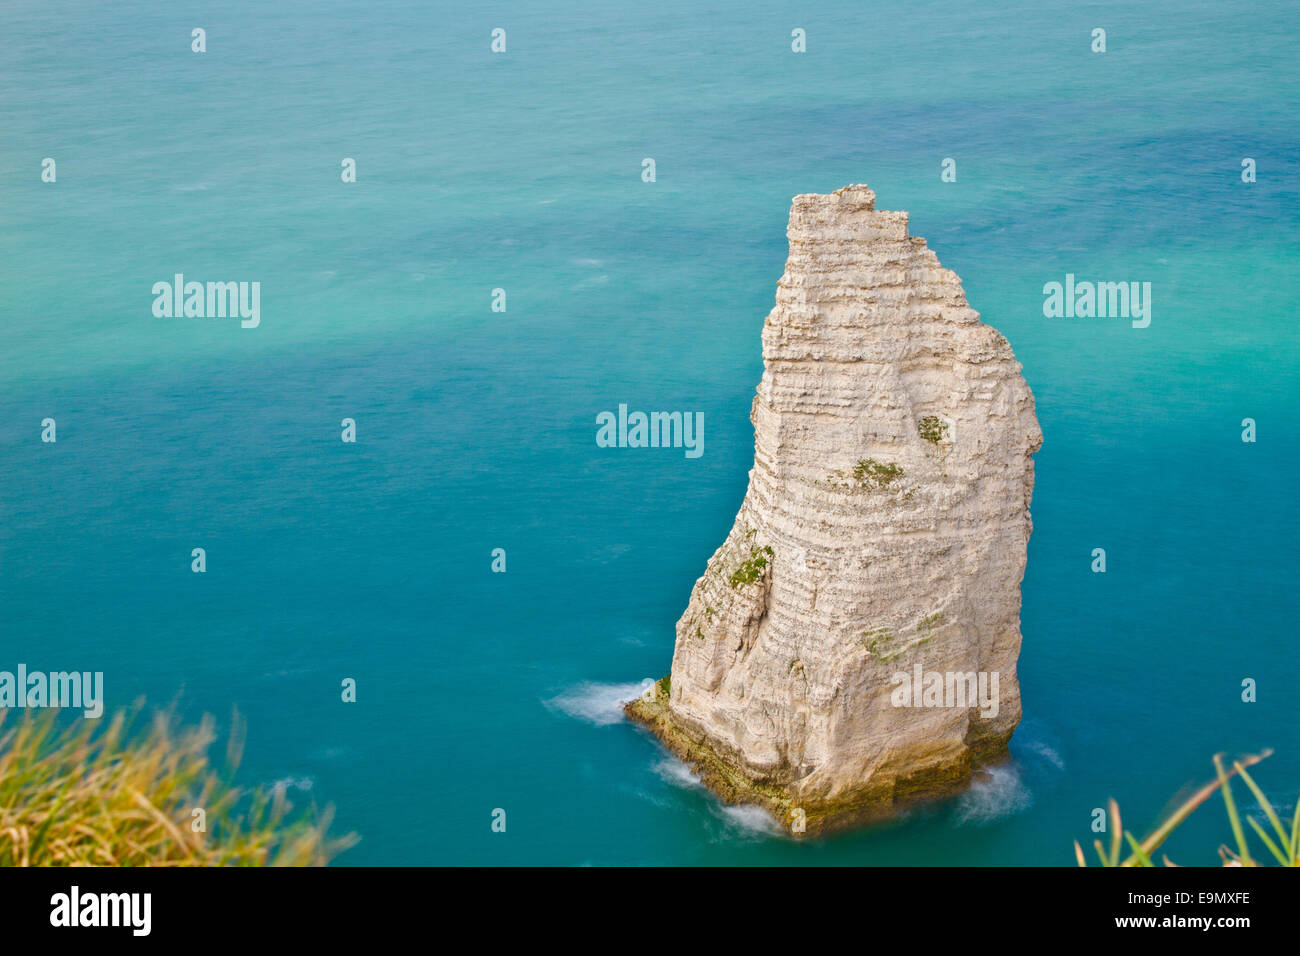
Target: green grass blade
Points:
x,y
1161,834
1142,858
1272,847
1235,820
1263,802
1295,835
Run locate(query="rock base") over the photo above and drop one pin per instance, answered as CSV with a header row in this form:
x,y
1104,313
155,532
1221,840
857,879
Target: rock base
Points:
x,y
929,777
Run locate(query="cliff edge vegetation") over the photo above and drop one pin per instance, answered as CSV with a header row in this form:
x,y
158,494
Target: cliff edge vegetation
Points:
x,y
135,791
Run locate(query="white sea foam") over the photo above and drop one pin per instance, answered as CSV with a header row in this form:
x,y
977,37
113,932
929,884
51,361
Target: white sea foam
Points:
x,y
994,793
745,821
599,704
749,820
671,770
293,783
1047,753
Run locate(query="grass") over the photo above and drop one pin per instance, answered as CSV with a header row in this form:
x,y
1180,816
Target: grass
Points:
x,y
929,623
752,569
877,641
869,472
933,428
111,793
1283,845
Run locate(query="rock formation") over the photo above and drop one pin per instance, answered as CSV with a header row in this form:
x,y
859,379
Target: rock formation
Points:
x,y
830,663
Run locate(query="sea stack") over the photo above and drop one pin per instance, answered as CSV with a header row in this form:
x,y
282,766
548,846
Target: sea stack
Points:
x,y
851,647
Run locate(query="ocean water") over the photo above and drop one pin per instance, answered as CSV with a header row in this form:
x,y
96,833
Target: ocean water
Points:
x,y
476,430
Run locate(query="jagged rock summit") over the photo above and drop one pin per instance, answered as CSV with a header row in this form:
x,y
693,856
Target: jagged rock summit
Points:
x,y
852,644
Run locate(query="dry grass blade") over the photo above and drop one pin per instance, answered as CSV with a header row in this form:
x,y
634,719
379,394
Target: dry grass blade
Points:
x,y
105,794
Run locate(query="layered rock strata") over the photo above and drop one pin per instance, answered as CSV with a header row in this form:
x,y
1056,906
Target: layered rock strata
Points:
x,y
882,537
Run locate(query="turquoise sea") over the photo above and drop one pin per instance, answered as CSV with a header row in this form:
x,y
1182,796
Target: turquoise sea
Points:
x,y
476,428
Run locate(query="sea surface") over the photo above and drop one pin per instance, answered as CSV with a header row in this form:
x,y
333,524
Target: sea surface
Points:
x,y
479,691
